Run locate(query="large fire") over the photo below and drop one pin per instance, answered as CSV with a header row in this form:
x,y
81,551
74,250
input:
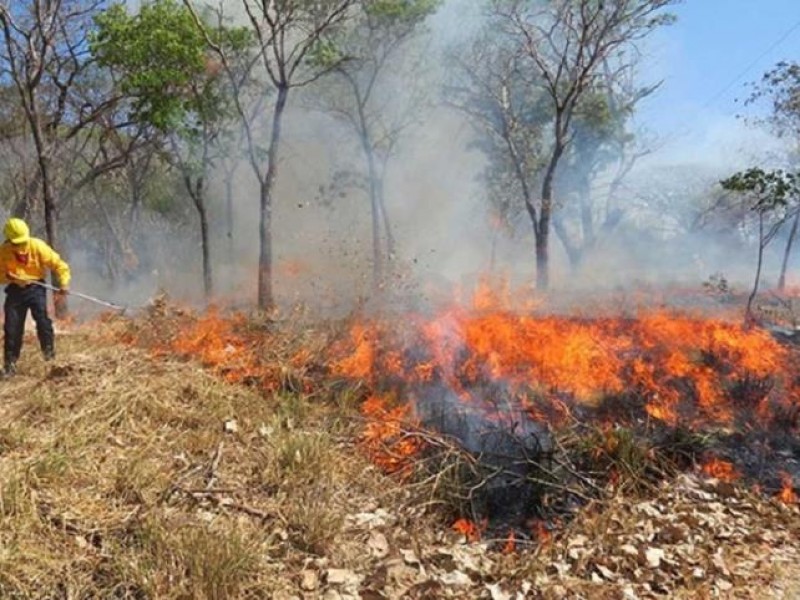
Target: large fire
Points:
x,y
673,368
518,367
657,370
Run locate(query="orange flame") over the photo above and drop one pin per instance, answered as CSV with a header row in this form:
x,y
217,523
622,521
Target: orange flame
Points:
x,y
683,368
387,437
676,368
511,543
787,495
471,530
540,531
721,469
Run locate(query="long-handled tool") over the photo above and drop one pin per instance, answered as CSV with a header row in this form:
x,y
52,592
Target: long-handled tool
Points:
x,y
76,294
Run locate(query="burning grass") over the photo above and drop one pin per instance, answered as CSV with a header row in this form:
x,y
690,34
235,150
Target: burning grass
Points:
x,y
236,457
587,402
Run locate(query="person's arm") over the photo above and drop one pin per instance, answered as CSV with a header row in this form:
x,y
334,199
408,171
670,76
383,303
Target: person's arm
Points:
x,y
54,262
4,276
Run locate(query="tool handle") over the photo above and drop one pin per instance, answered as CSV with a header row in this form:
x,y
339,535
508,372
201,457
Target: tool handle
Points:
x,y
71,293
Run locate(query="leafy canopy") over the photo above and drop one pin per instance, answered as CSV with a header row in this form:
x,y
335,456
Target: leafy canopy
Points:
x,y
161,60
771,189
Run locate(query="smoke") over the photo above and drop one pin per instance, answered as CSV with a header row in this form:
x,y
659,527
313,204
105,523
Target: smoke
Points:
x,y
437,204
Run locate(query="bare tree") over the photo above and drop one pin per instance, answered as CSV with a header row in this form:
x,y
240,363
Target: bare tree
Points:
x,y
289,35
45,53
369,100
562,47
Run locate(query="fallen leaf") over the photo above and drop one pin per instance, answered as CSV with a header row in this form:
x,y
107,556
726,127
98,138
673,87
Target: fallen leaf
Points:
x,y
342,577
456,579
409,556
309,580
378,545
497,592
654,557
606,572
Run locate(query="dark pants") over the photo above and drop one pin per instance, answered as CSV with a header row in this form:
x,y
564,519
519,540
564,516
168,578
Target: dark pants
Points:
x,y
18,300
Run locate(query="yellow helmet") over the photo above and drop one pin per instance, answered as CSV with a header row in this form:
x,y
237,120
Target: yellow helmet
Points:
x,y
17,231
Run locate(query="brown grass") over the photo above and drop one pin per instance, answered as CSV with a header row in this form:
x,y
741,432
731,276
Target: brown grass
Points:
x,y
118,478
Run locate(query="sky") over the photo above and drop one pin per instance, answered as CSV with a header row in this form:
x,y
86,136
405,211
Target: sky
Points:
x,y
705,61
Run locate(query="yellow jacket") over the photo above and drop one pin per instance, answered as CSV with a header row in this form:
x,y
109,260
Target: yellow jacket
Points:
x,y
30,261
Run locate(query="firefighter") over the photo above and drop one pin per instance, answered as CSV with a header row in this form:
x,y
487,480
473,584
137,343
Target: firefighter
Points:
x,y
23,263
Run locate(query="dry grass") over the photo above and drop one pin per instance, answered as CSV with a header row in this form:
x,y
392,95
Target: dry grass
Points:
x,y
119,478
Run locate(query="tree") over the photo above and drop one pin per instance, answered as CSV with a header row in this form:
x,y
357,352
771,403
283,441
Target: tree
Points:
x,y
67,106
368,54
161,62
490,88
560,48
780,87
600,157
295,48
773,195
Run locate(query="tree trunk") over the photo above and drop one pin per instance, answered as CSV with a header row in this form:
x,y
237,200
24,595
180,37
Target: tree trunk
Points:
x,y
206,246
375,206
587,219
574,252
545,214
266,300
391,245
229,210
197,192
51,230
787,252
749,318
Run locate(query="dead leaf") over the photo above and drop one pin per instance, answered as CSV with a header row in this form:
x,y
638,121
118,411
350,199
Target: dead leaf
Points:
x,y
606,572
456,579
654,557
409,556
497,592
378,545
309,580
343,577
724,585
628,593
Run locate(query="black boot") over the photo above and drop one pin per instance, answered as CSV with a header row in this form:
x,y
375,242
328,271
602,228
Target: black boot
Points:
x,y
9,370
49,353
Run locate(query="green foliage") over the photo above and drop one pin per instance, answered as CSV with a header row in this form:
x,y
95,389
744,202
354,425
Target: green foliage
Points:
x,y
325,55
594,111
407,12
770,189
161,59
158,52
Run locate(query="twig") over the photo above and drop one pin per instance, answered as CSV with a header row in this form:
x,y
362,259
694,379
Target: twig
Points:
x,y
211,472
227,502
